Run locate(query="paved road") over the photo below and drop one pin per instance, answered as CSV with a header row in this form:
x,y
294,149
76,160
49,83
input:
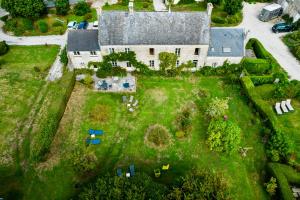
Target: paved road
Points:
x,y
271,41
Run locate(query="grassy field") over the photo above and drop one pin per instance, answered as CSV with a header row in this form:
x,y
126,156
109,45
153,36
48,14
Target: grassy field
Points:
x,y
123,141
139,5
289,122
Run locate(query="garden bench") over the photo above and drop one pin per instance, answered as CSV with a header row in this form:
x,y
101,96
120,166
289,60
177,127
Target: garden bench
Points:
x,y
165,167
288,105
277,108
283,107
95,132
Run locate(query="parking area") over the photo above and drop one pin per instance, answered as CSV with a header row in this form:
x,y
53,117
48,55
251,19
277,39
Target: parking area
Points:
x,y
271,41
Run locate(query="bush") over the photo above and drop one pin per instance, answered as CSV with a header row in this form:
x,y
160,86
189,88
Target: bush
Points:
x,y
271,186
57,24
157,136
3,48
62,7
218,20
82,8
36,69
217,107
64,57
256,66
261,80
145,5
82,160
27,24
88,16
183,120
180,134
43,26
88,79
181,2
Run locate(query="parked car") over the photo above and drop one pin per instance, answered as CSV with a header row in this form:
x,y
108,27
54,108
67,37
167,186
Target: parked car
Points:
x,y
282,27
270,12
72,25
83,25
95,25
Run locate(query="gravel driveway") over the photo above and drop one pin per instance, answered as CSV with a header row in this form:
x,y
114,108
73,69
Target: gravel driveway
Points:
x,y
271,41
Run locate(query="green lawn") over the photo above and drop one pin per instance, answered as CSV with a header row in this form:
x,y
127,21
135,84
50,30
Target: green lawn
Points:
x,y
139,5
288,122
123,141
19,86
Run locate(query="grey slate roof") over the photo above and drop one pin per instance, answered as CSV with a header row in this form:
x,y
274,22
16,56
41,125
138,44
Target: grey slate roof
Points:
x,y
226,38
51,3
83,40
153,28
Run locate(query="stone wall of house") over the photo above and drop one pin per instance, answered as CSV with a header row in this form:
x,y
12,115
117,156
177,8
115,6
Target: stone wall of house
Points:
x,y
82,60
218,61
187,53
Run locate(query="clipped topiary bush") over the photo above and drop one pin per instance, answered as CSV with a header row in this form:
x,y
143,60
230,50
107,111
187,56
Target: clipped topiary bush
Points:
x,y
256,66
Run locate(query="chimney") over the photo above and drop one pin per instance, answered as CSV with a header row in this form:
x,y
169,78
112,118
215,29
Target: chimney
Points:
x,y
209,9
130,7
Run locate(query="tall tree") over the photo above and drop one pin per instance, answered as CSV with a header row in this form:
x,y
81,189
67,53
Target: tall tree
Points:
x,y
24,8
233,6
62,7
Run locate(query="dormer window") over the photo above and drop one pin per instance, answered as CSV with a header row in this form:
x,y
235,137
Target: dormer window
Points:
x,y
76,53
93,53
226,50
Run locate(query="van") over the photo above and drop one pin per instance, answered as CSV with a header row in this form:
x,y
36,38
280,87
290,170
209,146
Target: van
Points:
x,y
270,12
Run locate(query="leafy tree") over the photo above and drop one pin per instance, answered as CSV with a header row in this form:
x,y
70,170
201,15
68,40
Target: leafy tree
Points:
x,y
271,186
223,136
62,7
3,48
138,187
82,8
233,6
201,185
167,61
217,107
24,8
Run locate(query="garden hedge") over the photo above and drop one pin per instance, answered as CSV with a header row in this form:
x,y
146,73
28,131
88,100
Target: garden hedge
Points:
x,y
285,175
50,122
261,80
256,66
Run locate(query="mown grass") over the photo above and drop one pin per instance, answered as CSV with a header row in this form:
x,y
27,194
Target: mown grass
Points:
x,y
19,86
123,142
288,122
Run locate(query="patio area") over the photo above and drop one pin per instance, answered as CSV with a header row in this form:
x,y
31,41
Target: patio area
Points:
x,y
115,84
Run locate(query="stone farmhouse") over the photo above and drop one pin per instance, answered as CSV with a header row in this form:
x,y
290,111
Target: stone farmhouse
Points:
x,y
291,7
187,34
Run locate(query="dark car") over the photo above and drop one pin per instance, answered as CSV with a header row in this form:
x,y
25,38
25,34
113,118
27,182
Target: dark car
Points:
x,y
83,25
282,27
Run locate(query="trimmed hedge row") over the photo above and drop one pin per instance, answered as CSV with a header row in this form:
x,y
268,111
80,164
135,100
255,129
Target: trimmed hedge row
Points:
x,y
284,175
61,92
261,80
256,66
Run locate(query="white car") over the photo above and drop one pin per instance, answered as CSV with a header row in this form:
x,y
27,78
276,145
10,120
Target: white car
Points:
x,y
72,25
95,25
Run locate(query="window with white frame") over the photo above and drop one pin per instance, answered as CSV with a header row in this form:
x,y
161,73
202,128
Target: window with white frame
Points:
x,y
127,50
195,62
114,63
177,63
177,51
111,50
226,50
93,53
151,63
128,64
76,53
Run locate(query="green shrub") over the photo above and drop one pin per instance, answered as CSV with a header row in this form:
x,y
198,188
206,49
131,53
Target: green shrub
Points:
x,y
88,80
64,57
10,25
3,48
36,69
256,66
27,24
181,2
81,8
57,24
218,20
157,136
62,7
43,26
88,16
183,120
145,5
